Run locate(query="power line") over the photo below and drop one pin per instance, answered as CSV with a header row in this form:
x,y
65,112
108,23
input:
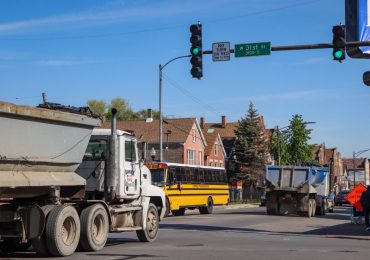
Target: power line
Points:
x,y
191,96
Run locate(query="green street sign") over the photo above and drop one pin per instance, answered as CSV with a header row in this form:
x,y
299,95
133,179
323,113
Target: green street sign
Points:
x,y
252,49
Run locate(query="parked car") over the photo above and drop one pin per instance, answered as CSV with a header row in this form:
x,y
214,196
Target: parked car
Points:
x,y
340,199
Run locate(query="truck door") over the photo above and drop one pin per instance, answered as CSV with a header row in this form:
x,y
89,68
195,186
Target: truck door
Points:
x,y
131,171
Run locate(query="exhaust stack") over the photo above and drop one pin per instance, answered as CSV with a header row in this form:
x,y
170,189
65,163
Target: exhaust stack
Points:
x,y
113,159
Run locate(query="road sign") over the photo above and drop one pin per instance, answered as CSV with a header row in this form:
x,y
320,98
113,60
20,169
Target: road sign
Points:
x,y
221,51
354,196
252,49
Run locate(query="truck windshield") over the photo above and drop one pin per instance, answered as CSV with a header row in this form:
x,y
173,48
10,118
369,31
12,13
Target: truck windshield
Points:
x,y
158,177
97,150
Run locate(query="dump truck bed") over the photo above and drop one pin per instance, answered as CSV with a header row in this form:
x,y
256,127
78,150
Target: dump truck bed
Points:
x,y
40,148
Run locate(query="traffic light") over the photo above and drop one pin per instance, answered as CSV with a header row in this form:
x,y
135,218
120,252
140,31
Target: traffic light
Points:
x,y
339,42
196,51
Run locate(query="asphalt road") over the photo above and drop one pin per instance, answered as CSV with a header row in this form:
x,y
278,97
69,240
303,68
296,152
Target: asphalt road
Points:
x,y
238,232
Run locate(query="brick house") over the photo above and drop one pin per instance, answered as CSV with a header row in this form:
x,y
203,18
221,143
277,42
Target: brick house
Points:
x,y
214,153
183,140
331,157
226,130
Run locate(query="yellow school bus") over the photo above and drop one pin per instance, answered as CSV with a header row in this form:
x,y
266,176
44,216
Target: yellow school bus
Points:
x,y
190,186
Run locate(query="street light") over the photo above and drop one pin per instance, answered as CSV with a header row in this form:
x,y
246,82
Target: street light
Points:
x,y
278,136
355,155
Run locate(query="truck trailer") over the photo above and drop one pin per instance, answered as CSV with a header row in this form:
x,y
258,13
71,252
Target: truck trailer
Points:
x,y
64,184
297,190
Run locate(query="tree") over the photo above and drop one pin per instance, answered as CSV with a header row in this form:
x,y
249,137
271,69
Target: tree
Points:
x,y
98,107
297,135
124,110
143,114
278,147
250,148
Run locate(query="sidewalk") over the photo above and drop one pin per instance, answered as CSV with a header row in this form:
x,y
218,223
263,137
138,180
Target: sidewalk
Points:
x,y
240,206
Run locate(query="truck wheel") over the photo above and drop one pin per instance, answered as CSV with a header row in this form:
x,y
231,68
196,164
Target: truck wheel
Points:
x,y
94,228
309,213
208,209
313,208
39,243
62,230
167,208
149,234
179,212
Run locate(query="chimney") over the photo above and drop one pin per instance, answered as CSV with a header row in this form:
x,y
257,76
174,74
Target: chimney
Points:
x,y
149,118
223,121
202,123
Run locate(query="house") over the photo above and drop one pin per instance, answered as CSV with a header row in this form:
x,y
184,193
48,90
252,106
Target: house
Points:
x,y
183,140
214,153
226,130
331,157
357,170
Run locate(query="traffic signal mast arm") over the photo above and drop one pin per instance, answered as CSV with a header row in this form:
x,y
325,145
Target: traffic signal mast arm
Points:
x,y
308,46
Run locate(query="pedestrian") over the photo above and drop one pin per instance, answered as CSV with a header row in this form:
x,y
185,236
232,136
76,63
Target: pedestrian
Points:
x,y
365,203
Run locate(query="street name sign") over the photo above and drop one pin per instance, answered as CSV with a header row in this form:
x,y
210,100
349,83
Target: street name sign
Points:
x,y
221,51
252,49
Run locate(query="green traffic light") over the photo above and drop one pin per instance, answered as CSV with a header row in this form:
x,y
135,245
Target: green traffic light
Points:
x,y
195,51
338,54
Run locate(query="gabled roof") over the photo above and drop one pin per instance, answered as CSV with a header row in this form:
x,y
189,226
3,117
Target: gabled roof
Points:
x,y
226,132
178,129
211,139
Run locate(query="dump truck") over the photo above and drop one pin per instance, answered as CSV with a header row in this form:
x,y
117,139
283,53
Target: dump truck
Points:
x,y
297,190
66,183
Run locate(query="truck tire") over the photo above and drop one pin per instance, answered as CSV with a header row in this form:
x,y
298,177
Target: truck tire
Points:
x,y
149,234
39,243
94,228
62,230
313,213
309,212
179,212
207,209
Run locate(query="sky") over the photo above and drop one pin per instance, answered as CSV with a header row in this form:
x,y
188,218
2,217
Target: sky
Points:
x,y
79,50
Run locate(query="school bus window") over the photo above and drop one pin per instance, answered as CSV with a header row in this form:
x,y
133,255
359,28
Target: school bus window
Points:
x,y
171,176
180,175
188,174
201,175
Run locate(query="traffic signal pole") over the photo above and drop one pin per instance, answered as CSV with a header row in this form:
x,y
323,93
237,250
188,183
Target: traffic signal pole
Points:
x,y
160,104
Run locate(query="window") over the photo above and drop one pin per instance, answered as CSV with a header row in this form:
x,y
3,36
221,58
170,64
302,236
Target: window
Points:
x,y
130,151
216,148
215,163
210,163
180,174
191,157
194,135
221,164
200,162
